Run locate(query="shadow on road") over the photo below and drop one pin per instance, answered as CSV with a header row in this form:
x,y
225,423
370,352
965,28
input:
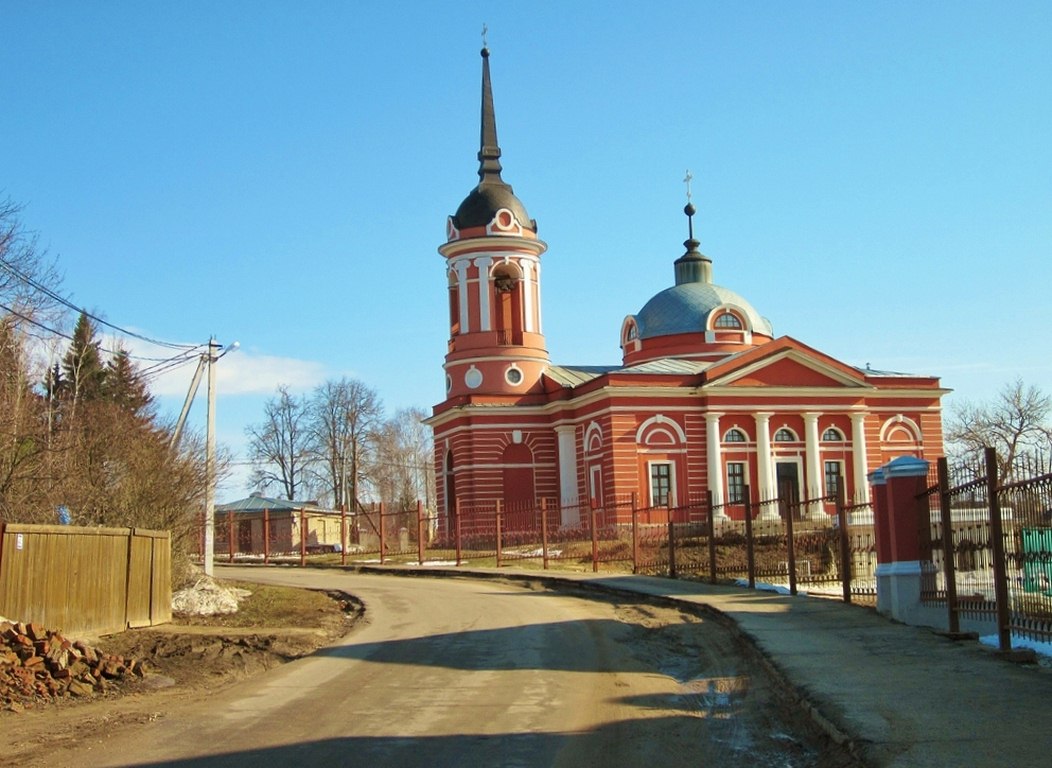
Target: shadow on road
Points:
x,y
530,646
653,742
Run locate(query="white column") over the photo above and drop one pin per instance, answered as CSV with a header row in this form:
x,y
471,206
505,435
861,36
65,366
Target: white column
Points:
x,y
483,263
714,460
462,295
567,471
813,486
764,465
537,271
528,323
858,456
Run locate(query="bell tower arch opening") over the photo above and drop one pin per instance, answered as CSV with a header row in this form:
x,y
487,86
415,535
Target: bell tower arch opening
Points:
x,y
507,287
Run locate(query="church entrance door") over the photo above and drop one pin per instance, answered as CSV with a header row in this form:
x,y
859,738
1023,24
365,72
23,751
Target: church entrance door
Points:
x,y
787,478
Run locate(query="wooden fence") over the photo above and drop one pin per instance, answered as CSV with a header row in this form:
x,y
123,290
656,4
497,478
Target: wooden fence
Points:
x,y
85,580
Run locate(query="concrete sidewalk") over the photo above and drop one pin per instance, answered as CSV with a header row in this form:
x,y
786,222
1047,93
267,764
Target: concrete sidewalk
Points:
x,y
899,696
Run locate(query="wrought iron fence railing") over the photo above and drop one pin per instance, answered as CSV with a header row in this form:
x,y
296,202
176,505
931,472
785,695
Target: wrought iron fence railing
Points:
x,y
781,542
989,549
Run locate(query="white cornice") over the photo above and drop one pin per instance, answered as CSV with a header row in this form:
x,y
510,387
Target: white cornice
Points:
x,y
491,246
497,358
832,401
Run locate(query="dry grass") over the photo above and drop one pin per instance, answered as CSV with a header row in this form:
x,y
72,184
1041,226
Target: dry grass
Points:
x,y
271,606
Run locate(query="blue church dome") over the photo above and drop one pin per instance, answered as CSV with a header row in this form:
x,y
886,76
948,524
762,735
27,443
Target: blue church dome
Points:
x,y
685,308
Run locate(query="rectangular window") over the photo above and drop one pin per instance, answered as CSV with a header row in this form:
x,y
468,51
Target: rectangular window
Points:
x,y
660,484
735,482
833,475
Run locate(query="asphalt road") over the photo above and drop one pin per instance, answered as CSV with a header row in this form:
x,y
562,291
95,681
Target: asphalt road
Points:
x,y
468,672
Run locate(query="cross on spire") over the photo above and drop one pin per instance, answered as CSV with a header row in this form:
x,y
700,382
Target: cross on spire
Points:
x,y
686,180
485,29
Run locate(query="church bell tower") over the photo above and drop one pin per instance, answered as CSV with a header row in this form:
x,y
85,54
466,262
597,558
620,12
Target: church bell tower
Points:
x,y
493,269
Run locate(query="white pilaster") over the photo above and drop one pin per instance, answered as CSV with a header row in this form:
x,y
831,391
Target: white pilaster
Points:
x,y
858,456
567,446
483,262
462,295
714,460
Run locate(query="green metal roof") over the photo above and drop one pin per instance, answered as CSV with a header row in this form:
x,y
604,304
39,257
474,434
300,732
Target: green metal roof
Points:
x,y
257,503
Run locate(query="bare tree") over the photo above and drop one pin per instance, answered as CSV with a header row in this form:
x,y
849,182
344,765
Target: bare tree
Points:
x,y
1016,423
345,416
280,445
405,471
22,442
28,280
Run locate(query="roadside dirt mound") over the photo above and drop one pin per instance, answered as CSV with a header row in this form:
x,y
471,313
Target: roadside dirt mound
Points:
x,y
201,651
41,668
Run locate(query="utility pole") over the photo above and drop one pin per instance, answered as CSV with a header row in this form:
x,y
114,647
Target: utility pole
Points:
x,y
208,359
210,460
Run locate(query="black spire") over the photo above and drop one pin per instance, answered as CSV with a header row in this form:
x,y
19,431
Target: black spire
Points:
x,y
489,150
492,192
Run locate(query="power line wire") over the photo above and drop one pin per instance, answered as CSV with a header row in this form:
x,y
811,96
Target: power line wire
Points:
x,y
66,303
178,359
34,322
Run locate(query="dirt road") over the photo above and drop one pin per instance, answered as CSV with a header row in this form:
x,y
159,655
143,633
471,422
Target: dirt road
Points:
x,y
465,672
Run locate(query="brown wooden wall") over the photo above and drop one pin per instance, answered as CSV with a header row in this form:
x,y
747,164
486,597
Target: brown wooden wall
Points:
x,y
85,580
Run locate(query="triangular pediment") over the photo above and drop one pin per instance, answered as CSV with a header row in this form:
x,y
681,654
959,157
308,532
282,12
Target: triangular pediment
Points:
x,y
784,362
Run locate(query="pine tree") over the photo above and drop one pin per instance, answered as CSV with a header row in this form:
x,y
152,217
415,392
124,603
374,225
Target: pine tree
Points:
x,y
83,372
124,388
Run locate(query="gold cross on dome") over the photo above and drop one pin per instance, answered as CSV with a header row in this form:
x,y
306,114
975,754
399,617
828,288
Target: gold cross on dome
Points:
x,y
687,179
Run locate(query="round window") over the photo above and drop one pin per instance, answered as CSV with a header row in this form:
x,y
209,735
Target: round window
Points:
x,y
513,376
473,378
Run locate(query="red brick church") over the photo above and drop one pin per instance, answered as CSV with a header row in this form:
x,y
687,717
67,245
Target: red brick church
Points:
x,y
706,396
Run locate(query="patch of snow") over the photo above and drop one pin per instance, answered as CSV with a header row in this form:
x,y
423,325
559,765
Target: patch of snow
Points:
x,y
537,552
1044,649
763,587
207,598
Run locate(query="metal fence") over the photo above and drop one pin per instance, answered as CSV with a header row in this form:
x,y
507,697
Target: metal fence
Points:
x,y
85,580
989,549
819,545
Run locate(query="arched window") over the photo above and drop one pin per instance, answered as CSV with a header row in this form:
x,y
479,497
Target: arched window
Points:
x,y
784,435
629,331
727,320
734,436
832,435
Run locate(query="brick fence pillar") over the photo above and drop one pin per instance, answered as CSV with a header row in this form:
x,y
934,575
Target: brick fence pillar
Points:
x,y
900,514
881,536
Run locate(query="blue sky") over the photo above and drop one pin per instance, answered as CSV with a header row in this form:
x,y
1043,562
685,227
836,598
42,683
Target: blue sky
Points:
x,y
876,178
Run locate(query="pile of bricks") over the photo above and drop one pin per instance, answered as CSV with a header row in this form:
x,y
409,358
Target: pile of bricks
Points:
x,y
38,665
